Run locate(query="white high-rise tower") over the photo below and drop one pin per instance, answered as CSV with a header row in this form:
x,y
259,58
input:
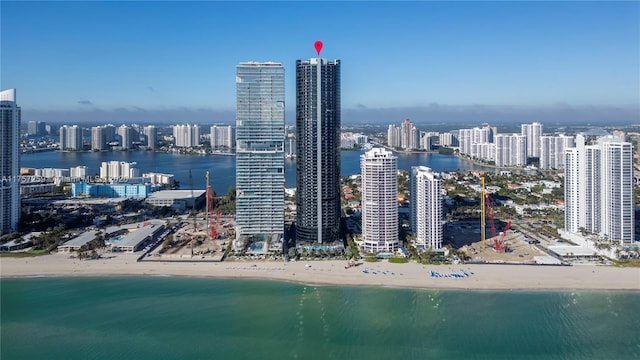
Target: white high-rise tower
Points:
x,y
510,150
426,208
552,150
222,137
151,137
70,137
98,138
533,132
599,189
126,137
379,169
617,190
186,135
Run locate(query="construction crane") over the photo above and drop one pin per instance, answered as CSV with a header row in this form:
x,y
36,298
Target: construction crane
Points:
x,y
193,202
499,242
208,199
213,218
487,199
487,211
483,225
193,210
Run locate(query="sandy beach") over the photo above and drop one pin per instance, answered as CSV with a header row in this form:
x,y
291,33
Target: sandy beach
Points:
x,y
410,275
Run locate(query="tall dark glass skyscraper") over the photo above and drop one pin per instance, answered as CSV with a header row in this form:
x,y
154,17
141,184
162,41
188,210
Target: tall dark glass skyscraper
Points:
x,y
318,150
9,162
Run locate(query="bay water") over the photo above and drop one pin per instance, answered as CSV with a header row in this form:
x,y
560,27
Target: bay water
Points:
x,y
202,318
221,167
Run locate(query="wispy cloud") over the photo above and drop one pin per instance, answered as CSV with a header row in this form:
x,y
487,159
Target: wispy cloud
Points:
x,y
85,102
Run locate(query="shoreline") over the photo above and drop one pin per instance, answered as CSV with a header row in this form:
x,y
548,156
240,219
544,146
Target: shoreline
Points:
x,y
506,168
315,284
333,273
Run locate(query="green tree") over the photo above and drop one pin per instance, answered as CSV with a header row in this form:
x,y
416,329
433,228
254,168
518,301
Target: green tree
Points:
x,y
445,150
231,193
291,254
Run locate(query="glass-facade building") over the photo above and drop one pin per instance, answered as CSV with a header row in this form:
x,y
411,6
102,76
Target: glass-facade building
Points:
x,y
9,162
259,152
318,151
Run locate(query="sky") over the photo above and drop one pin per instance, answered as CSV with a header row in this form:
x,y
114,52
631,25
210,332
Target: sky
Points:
x,y
432,62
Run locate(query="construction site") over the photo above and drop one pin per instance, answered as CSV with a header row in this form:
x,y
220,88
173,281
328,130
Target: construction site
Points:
x,y
497,244
202,236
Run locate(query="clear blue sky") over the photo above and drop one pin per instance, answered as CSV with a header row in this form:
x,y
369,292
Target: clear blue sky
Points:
x,y
155,56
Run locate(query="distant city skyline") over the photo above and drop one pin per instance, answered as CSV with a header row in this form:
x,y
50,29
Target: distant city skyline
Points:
x,y
165,62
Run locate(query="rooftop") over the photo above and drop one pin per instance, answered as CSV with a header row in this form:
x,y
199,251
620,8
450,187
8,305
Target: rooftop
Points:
x,y
139,234
89,201
81,239
175,194
571,250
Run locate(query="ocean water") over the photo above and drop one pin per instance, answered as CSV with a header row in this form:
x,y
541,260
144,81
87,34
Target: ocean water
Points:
x,y
198,318
222,168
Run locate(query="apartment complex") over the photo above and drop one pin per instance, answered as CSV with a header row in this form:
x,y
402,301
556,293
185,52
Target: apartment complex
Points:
x,y
260,152
9,161
318,151
599,189
379,170
426,208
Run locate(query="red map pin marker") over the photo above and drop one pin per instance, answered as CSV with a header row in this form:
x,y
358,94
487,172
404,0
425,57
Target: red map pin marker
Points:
x,y
318,46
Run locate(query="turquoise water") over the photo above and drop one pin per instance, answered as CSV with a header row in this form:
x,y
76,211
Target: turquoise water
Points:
x,y
197,318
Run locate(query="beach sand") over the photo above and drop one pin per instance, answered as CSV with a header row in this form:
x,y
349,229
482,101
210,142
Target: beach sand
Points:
x,y
409,275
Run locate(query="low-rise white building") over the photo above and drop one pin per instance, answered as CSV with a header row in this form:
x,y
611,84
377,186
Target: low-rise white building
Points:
x,y
78,172
137,236
39,188
159,178
177,199
77,242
